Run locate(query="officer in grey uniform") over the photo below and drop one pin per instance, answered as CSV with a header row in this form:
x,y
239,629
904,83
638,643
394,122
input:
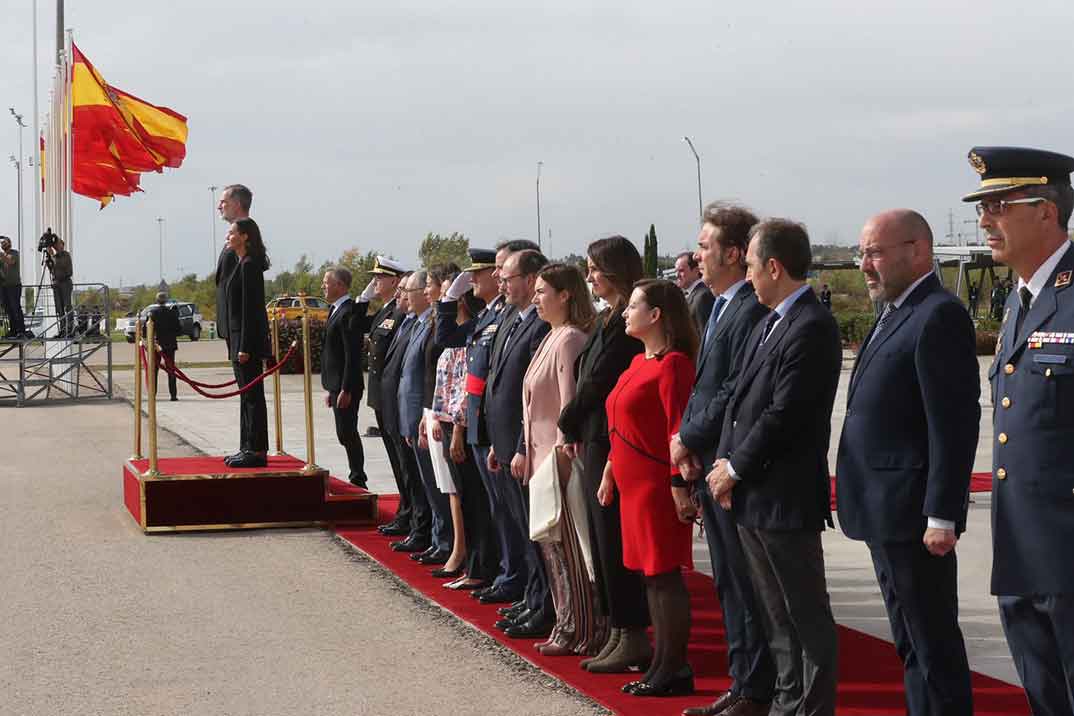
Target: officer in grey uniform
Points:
x,y
1024,202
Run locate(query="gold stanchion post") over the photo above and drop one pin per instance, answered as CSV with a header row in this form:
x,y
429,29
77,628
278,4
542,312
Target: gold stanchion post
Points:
x,y
137,454
151,399
276,381
311,464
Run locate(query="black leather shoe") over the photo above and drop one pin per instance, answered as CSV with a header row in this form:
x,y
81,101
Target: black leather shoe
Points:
x,y
392,530
434,558
424,553
497,597
681,684
250,460
446,573
520,618
410,545
530,630
359,481
482,592
228,460
512,611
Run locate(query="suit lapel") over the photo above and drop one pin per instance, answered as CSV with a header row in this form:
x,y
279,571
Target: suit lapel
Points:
x,y
722,324
516,338
760,352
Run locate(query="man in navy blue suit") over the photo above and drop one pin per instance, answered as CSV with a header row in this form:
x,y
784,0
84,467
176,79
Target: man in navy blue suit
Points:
x,y
772,466
721,255
1025,202
906,454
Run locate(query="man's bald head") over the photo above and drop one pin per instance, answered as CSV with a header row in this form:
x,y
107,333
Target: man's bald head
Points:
x,y
896,248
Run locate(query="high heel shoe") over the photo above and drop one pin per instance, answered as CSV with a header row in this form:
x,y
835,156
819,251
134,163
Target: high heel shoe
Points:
x,y
680,684
447,573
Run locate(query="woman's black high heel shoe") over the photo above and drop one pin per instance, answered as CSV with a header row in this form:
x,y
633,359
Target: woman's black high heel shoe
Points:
x,y
680,684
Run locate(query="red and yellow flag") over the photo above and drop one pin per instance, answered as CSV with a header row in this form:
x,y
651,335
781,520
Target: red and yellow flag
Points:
x,y
115,135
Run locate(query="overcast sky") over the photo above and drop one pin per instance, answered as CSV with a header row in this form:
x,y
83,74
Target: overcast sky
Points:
x,y
362,126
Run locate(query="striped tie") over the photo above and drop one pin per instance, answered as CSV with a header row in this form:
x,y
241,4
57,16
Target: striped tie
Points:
x,y
888,310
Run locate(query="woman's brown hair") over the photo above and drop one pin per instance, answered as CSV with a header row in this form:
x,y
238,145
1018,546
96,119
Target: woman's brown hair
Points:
x,y
618,259
564,277
675,318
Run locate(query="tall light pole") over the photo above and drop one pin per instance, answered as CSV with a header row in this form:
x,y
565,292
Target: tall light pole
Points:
x,y
19,164
160,250
700,210
539,165
212,220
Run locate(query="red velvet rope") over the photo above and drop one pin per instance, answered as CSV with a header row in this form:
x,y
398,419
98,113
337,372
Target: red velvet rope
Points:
x,y
170,367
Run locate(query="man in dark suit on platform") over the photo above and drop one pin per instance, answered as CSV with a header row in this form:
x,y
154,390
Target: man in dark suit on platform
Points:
x,y
520,332
234,204
420,526
341,374
906,454
772,466
1025,203
166,330
698,296
721,255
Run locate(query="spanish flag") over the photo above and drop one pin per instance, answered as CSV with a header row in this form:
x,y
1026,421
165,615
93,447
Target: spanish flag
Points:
x,y
115,135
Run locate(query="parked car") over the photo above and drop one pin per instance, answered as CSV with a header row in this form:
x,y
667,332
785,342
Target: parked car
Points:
x,y
290,307
189,320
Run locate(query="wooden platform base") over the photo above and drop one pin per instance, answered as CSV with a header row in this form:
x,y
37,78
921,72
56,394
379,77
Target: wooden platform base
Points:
x,y
202,493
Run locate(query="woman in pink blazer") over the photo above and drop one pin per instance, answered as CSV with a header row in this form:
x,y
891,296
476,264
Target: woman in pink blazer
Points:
x,y
562,300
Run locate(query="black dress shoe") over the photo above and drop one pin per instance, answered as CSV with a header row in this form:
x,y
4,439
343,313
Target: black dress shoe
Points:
x,y
250,459
530,630
680,684
228,460
434,558
410,545
482,592
359,481
512,611
391,530
497,596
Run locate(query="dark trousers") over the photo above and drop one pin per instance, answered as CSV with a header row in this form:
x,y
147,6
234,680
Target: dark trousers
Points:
x,y
347,434
750,666
621,590
537,593
61,295
421,517
482,548
1040,634
511,577
402,515
921,595
787,572
253,416
443,528
10,296
169,355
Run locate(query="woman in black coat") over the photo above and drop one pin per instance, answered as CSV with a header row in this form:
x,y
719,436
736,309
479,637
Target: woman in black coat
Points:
x,y
614,266
248,330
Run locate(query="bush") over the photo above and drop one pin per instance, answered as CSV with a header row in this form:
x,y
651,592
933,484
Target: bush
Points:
x,y
291,330
986,342
854,326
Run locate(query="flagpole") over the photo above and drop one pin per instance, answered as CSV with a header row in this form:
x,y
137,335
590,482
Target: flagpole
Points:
x,y
67,111
36,148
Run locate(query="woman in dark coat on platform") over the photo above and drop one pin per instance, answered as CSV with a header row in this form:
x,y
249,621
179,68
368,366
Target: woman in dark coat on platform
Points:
x,y
248,326
614,266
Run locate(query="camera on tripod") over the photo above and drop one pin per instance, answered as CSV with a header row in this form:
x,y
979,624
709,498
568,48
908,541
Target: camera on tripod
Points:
x,y
47,240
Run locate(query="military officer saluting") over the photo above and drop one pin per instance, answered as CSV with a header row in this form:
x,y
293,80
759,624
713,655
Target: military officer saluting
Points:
x,y
1024,202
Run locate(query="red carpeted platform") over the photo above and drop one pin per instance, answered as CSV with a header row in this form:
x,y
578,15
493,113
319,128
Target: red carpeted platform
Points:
x,y
870,672
202,493
979,482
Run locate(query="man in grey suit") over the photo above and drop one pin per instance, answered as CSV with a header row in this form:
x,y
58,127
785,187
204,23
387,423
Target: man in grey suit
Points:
x,y
698,296
721,254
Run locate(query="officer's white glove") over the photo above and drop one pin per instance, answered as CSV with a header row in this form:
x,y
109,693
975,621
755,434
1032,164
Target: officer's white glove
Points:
x,y
459,287
369,292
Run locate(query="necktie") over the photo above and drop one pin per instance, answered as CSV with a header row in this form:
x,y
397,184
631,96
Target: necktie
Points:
x,y
710,327
331,310
888,310
511,331
1026,298
773,317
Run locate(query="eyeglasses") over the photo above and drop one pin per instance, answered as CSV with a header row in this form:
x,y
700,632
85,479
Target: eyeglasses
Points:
x,y
998,207
505,279
875,252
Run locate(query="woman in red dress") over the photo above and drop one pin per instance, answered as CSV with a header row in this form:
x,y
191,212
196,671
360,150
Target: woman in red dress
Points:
x,y
644,411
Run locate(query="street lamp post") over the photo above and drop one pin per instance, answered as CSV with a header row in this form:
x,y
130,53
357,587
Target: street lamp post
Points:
x,y
212,220
539,165
19,164
160,250
700,210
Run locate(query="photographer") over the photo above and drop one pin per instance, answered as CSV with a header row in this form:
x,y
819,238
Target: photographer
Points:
x,y
62,286
11,288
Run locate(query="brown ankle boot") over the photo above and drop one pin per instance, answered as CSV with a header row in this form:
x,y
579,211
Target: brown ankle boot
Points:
x,y
609,646
632,651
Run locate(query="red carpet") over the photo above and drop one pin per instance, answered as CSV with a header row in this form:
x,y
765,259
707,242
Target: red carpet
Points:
x,y
870,673
979,482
